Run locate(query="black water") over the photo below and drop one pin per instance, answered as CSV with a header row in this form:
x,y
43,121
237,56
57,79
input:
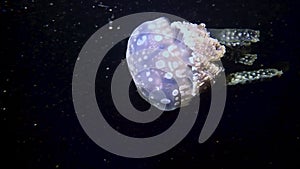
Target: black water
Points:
x,y
260,127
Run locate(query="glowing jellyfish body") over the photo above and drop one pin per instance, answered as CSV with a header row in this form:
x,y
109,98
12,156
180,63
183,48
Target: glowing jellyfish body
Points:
x,y
171,62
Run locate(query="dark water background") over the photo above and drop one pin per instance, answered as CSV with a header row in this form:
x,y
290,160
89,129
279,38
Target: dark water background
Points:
x,y
260,127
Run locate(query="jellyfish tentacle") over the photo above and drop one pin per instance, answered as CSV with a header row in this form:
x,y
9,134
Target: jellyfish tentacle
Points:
x,y
241,55
235,37
254,75
246,59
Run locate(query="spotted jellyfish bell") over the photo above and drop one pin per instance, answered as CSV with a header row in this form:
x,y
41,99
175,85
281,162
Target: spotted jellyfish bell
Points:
x,y
171,62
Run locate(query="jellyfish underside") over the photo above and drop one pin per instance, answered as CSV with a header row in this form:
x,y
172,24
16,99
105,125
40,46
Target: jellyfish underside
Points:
x,y
171,63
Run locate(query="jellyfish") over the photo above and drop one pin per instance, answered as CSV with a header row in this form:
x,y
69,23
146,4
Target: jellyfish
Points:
x,y
171,63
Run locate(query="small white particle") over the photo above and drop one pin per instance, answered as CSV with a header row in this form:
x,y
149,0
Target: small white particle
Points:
x,y
150,79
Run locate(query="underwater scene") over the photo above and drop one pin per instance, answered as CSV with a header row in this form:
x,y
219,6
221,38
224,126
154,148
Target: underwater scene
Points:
x,y
147,84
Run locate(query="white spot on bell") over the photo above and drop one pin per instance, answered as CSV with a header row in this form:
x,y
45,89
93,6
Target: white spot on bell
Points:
x,y
158,38
191,60
168,75
170,66
141,41
175,65
180,73
165,54
165,101
150,79
175,92
160,64
171,48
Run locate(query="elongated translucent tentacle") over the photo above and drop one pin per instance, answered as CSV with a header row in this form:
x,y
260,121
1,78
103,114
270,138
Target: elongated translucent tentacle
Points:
x,y
235,37
249,76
